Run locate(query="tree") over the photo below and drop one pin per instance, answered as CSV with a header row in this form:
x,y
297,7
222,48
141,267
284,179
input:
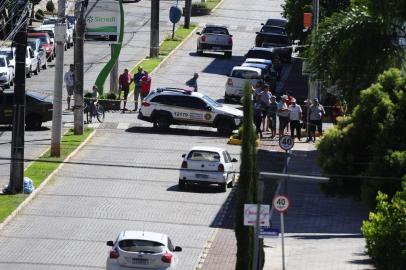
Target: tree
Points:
x,y
246,186
33,4
50,6
385,231
369,143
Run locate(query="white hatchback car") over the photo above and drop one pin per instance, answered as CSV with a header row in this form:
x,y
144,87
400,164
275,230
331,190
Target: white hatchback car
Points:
x,y
142,250
207,165
237,79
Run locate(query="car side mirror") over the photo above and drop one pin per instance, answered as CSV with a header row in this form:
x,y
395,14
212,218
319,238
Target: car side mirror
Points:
x,y
234,160
177,249
198,33
110,243
184,155
208,107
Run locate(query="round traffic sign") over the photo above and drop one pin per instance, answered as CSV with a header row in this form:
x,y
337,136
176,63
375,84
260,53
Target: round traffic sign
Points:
x,y
286,142
281,203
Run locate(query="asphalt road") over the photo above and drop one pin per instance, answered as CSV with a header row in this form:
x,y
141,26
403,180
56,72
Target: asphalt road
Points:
x,y
128,174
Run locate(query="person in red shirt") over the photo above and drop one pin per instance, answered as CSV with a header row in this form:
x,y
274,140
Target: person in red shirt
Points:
x,y
124,81
145,85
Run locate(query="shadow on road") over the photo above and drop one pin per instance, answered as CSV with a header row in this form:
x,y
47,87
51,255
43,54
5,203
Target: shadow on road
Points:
x,y
174,131
196,189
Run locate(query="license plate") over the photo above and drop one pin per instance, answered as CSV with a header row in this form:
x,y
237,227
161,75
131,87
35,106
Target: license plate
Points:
x,y
140,261
202,176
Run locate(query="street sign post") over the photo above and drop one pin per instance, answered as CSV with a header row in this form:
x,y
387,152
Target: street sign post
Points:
x,y
281,203
286,142
268,232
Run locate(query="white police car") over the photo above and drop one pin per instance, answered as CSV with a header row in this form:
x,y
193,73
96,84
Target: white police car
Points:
x,y
166,106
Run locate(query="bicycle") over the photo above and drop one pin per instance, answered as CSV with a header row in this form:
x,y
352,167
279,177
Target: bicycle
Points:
x,y
93,109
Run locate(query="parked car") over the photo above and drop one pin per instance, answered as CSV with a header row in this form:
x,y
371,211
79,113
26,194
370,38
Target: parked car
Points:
x,y
267,74
266,30
39,52
6,72
31,63
167,106
10,54
281,44
274,72
49,31
276,22
261,53
206,165
236,80
38,109
49,24
215,38
46,43
142,250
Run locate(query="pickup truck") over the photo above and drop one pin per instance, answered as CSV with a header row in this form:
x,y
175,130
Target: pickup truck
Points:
x,y
215,38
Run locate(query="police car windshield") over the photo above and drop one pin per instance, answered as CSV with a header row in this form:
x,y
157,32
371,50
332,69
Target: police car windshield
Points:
x,y
9,54
211,102
2,62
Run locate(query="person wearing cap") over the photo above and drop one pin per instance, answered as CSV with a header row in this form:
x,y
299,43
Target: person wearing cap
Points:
x,y
271,113
316,112
137,86
295,114
283,114
193,82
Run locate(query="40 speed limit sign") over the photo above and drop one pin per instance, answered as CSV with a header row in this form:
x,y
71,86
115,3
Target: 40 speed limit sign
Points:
x,y
286,142
281,203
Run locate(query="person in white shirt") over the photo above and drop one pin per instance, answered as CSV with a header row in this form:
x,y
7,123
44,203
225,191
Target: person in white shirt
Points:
x,y
283,114
295,114
69,79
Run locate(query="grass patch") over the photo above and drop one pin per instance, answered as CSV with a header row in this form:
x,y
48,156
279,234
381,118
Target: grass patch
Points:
x,y
41,169
212,3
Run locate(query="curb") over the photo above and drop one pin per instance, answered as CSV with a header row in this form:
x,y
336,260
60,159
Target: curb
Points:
x,y
34,194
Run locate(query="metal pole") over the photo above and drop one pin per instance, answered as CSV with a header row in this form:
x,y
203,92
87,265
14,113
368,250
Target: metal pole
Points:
x,y
260,187
78,109
114,73
17,140
188,13
283,240
60,32
154,38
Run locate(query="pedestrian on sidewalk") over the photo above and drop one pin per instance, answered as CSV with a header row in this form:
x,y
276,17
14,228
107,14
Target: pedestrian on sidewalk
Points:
x,y
273,107
295,114
257,89
258,115
193,82
283,114
145,85
265,100
316,113
124,85
137,86
69,79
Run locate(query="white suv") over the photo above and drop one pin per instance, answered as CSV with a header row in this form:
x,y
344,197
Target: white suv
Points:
x,y
166,106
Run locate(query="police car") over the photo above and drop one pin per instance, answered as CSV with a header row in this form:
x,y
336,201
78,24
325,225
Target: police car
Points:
x,y
166,106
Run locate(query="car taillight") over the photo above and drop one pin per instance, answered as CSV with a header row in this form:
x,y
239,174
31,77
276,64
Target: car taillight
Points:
x,y
230,82
114,254
221,168
167,258
145,103
203,38
230,40
184,164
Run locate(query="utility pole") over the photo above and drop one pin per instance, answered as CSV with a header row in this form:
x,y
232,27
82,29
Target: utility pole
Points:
x,y
154,38
78,55
188,13
17,141
114,73
60,32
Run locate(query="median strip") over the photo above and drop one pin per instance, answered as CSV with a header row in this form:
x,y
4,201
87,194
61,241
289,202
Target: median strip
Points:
x,y
41,171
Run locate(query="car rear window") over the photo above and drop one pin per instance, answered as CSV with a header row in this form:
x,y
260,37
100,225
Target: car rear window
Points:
x,y
2,62
259,54
215,30
244,74
272,29
145,246
204,156
276,39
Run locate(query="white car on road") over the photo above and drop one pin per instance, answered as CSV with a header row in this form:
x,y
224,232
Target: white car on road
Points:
x,y
215,38
142,250
238,77
207,165
6,72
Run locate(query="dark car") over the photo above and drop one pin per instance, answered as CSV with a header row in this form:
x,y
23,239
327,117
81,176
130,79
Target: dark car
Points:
x,y
261,53
38,109
281,45
276,22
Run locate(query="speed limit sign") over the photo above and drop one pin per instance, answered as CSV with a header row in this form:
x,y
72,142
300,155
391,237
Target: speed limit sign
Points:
x,y
281,203
286,142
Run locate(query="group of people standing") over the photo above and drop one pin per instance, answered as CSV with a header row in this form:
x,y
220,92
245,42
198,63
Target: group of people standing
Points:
x,y
142,85
290,115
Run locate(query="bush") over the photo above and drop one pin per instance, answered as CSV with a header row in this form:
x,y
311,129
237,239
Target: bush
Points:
x,y
111,96
50,6
88,95
39,15
385,231
199,5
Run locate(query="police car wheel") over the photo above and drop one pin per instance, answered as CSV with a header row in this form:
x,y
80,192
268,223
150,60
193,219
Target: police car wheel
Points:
x,y
163,122
182,184
223,187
